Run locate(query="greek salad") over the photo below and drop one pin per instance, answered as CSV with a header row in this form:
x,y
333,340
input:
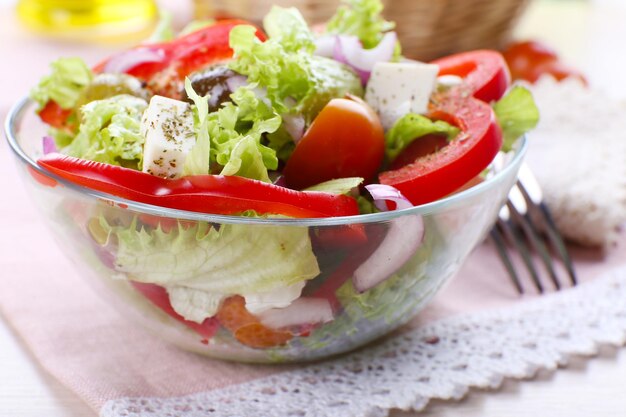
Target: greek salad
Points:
x,y
281,121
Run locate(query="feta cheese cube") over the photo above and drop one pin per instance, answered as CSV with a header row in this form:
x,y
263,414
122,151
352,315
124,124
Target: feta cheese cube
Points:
x,y
168,129
396,89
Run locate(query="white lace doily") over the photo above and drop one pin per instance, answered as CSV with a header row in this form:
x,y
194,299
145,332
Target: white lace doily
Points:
x,y
441,360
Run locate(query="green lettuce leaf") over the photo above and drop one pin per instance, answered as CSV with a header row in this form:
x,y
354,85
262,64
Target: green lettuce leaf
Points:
x,y
246,161
338,186
285,67
287,27
234,259
517,114
64,84
110,132
247,118
411,127
361,18
198,159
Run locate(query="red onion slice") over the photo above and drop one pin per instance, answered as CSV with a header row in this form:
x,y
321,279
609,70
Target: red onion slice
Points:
x,y
404,237
128,60
301,312
48,145
294,125
348,50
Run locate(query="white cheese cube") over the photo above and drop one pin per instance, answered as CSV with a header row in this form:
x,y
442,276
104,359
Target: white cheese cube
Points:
x,y
395,89
168,128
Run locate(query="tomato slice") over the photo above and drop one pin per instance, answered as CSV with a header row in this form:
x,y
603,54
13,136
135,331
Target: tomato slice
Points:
x,y
435,175
484,72
215,194
346,139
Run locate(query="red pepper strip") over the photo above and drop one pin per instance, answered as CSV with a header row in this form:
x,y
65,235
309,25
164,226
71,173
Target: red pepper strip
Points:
x,y
54,115
215,194
187,53
158,296
485,73
438,174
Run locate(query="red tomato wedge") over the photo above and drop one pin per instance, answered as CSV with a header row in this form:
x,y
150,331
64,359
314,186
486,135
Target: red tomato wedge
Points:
x,y
214,194
485,73
435,175
345,140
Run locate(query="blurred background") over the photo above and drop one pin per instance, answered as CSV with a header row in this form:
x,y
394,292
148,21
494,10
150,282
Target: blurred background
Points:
x,y
585,33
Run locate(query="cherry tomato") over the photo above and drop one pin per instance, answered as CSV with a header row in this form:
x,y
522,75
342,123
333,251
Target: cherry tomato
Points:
x,y
529,60
346,139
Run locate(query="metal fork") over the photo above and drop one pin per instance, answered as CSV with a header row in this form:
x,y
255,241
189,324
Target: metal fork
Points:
x,y
526,226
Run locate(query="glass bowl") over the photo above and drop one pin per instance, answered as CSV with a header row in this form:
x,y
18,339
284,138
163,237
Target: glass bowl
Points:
x,y
169,269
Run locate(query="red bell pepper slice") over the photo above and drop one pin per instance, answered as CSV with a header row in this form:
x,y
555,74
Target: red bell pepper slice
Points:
x,y
430,171
440,173
188,53
485,73
215,194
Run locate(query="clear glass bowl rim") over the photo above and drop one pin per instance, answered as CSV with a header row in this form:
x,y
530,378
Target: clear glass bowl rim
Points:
x,y
18,111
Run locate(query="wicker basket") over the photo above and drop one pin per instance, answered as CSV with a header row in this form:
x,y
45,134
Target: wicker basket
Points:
x,y
427,28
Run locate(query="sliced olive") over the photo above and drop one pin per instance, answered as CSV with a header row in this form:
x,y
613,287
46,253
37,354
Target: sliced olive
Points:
x,y
218,81
109,85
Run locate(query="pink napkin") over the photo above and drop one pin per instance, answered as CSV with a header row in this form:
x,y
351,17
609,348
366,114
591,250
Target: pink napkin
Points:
x,y
100,355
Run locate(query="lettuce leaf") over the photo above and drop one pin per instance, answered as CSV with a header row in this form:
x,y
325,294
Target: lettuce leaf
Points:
x,y
287,27
246,161
234,259
411,127
285,67
517,114
338,186
64,84
110,132
361,18
198,159
247,118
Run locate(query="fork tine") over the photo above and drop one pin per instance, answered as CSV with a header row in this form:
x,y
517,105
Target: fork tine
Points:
x,y
557,243
498,239
515,239
539,211
532,237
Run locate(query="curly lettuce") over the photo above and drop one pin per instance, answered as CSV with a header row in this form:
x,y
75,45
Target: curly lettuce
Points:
x,y
64,84
110,132
284,65
360,18
233,259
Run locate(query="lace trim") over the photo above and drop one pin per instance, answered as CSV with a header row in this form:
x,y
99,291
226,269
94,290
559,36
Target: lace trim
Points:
x,y
441,360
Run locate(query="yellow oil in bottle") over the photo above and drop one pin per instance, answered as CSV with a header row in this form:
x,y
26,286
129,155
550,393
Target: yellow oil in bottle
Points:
x,y
89,19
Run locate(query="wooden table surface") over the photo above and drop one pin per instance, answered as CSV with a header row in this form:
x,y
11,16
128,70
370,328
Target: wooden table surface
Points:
x,y
588,35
